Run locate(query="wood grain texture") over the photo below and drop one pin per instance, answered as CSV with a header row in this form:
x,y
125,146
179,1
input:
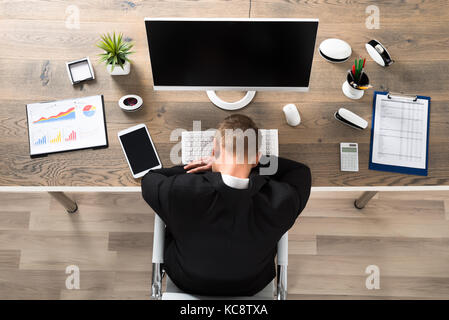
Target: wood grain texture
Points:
x,y
9,259
329,250
33,69
446,208
337,285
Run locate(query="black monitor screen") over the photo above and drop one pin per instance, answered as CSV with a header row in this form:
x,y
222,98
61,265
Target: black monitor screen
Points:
x,y
231,53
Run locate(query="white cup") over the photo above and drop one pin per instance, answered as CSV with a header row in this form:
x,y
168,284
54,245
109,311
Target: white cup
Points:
x,y
351,92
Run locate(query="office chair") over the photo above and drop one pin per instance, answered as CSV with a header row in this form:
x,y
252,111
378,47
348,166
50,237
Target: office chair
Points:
x,y
174,293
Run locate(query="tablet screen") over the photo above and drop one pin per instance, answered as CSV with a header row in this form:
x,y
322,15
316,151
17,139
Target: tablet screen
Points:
x,y
139,150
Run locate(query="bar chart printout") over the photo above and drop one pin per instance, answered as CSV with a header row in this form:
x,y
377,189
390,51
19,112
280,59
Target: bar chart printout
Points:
x,y
66,125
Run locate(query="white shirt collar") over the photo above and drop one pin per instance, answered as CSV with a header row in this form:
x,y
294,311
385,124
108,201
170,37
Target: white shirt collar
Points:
x,y
234,182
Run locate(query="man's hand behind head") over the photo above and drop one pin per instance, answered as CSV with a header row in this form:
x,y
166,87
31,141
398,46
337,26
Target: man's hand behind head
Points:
x,y
202,165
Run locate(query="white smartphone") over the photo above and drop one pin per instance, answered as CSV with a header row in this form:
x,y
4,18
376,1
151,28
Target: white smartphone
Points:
x,y
139,150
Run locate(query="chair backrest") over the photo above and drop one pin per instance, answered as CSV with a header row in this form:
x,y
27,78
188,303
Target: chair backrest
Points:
x,y
158,240
159,237
158,259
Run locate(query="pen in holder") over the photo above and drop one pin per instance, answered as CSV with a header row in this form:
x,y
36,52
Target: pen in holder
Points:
x,y
356,81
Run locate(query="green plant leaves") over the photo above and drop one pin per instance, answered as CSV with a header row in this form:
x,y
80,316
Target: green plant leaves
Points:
x,y
116,49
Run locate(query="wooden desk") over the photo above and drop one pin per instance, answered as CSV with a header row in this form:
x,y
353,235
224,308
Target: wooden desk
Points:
x,y
36,45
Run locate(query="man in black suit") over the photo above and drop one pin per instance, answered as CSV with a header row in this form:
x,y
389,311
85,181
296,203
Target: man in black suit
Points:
x,y
223,218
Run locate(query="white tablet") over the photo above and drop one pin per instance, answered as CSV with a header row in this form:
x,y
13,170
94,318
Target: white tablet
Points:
x,y
139,150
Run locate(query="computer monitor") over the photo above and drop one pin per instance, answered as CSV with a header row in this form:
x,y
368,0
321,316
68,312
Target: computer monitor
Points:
x,y
231,54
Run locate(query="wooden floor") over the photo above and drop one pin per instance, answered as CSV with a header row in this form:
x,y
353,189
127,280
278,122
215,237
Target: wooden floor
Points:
x,y
405,235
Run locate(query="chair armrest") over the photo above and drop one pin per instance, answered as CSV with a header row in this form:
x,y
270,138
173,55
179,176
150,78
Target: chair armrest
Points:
x,y
282,254
156,281
158,257
281,283
282,263
158,240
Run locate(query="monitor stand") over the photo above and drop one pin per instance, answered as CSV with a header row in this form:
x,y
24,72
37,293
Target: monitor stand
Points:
x,y
231,105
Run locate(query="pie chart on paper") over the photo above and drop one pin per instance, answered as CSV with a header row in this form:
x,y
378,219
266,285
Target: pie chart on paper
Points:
x,y
89,110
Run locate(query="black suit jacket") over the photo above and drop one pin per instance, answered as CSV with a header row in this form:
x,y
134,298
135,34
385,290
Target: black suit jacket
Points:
x,y
223,240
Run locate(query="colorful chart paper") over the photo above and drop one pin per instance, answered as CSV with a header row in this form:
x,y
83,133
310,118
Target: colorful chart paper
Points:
x,y
66,125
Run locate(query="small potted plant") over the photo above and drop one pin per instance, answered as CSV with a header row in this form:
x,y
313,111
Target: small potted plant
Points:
x,y
116,52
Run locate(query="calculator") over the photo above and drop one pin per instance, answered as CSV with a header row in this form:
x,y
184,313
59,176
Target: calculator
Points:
x,y
349,157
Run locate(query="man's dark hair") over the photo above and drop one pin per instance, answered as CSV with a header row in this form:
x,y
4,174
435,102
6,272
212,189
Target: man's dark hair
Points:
x,y
237,122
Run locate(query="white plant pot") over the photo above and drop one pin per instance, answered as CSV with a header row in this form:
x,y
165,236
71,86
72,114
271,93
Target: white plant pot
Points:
x,y
351,92
119,71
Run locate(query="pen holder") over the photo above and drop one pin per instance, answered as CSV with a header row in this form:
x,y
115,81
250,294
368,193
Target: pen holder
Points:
x,y
350,87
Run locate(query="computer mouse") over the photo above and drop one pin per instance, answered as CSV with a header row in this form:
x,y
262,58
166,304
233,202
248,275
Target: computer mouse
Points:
x,y
292,115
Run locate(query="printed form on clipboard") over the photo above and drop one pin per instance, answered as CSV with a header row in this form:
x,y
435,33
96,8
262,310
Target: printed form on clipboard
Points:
x,y
400,133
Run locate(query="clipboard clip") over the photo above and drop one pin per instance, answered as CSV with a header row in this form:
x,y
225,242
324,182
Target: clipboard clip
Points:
x,y
400,96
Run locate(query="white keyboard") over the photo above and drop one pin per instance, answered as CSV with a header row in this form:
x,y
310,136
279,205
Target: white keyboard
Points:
x,y
196,145
269,145
199,144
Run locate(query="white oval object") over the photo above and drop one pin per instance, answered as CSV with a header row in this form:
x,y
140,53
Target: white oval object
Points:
x,y
335,50
292,115
130,103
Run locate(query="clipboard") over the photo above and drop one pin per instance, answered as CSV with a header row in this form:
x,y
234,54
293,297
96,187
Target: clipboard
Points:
x,y
415,151
66,125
